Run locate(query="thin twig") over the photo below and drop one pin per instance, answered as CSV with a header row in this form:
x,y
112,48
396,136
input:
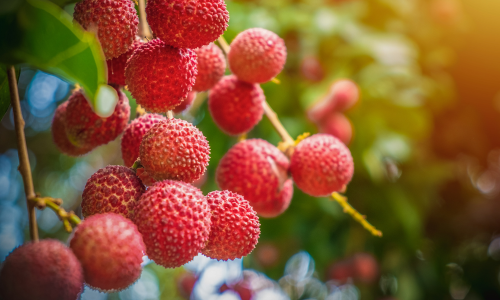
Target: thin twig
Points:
x,y
139,111
144,31
24,163
137,164
170,114
223,44
69,219
348,209
273,117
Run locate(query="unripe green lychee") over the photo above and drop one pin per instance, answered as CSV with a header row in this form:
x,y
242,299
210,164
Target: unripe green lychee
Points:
x,y
43,270
110,250
174,220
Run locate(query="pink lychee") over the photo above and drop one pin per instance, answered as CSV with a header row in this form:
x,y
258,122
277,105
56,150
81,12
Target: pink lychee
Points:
x,y
342,95
211,67
60,137
116,66
337,125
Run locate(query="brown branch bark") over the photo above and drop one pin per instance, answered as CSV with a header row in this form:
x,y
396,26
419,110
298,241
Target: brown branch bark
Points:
x,y
144,31
24,163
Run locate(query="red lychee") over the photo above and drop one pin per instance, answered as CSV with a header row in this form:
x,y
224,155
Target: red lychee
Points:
x,y
133,134
235,228
186,103
311,68
236,106
337,125
146,179
211,67
365,267
86,129
185,284
110,250
43,270
116,66
174,220
342,95
113,189
160,76
115,22
174,149
59,134
321,164
187,24
257,55
257,170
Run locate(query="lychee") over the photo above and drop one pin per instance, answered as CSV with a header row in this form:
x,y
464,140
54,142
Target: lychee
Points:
x,y
133,134
186,103
257,170
342,95
43,270
160,76
174,220
114,21
211,67
235,226
321,164
311,69
113,189
110,250
236,106
337,125
185,284
116,66
187,24
59,134
86,129
146,179
257,55
174,149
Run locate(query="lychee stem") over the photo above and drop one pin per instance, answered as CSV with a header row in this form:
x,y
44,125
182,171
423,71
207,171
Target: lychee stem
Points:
x,y
24,162
273,118
223,44
348,209
170,114
69,219
144,31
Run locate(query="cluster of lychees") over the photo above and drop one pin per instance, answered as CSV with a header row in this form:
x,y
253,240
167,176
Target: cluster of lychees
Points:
x,y
150,205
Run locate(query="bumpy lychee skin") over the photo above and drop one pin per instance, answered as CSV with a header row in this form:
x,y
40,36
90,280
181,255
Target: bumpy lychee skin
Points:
x,y
175,149
174,220
44,270
146,179
321,164
59,134
114,20
116,66
211,67
337,125
236,106
133,134
186,103
185,23
113,189
235,228
257,55
342,95
160,76
110,250
86,129
257,170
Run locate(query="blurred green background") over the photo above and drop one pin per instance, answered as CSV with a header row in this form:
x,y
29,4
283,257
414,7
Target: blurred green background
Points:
x,y
426,146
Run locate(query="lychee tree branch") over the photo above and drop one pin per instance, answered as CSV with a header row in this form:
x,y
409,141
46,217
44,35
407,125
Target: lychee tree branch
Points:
x,y
144,31
69,219
24,162
348,209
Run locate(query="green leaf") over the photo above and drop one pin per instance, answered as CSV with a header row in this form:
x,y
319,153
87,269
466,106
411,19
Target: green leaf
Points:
x,y
46,38
4,90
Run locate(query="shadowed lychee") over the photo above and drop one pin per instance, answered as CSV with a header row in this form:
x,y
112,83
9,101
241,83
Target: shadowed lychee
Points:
x,y
186,103
321,164
59,134
146,179
113,189
115,22
174,220
236,106
174,149
211,67
43,270
160,76
257,170
342,95
187,24
110,250
185,284
257,55
116,66
86,129
133,134
337,125
235,226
